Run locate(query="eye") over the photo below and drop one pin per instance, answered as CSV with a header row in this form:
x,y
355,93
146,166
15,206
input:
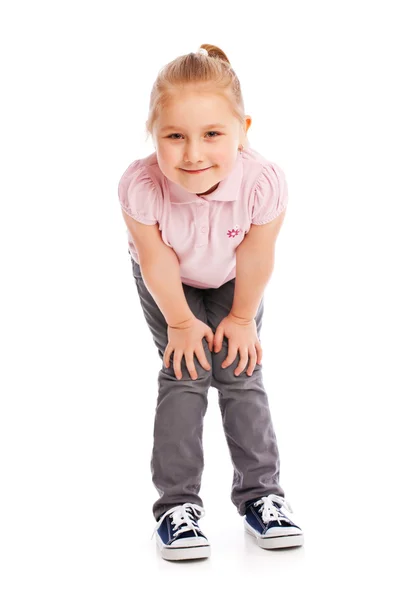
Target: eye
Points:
x,y
172,134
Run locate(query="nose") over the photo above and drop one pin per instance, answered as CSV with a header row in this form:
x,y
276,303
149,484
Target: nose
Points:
x,y
192,153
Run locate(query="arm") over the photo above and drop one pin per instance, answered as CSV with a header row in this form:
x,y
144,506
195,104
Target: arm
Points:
x,y
254,265
159,266
162,279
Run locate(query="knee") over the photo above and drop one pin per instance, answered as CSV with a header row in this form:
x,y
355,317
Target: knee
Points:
x,y
227,374
203,375
223,375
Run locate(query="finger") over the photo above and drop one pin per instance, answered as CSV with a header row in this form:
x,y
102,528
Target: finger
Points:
x,y
252,361
232,354
167,355
177,364
259,353
210,338
218,337
190,365
244,358
202,358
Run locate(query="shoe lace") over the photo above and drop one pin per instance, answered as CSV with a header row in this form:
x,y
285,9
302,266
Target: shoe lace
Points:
x,y
182,519
270,512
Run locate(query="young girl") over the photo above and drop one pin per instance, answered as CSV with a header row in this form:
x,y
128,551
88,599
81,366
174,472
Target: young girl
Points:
x,y
203,213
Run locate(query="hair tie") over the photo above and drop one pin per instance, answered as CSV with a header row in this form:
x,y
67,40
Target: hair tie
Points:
x,y
202,51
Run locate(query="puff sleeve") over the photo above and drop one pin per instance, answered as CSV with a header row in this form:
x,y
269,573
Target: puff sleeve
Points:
x,y
138,195
270,195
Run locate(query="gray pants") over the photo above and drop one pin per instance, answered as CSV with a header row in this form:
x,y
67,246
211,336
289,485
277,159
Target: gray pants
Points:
x,y
177,459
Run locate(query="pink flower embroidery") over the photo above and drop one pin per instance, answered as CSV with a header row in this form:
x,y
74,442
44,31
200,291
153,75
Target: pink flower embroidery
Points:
x,y
234,232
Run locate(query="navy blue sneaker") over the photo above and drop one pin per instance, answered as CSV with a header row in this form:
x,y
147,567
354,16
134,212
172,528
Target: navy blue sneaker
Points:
x,y
178,534
270,521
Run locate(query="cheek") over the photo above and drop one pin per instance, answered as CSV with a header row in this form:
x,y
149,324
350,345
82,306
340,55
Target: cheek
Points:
x,y
163,152
166,157
164,162
225,154
225,161
165,147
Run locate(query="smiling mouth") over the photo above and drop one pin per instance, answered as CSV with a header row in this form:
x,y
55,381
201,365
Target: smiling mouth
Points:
x,y
196,170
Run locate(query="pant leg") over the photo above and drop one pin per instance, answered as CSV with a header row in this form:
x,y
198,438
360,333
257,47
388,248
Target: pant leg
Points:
x,y
177,459
245,412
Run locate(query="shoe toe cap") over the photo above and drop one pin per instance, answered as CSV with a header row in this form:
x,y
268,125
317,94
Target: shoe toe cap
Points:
x,y
189,541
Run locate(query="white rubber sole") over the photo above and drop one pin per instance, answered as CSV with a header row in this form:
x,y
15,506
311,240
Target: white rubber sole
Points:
x,y
282,538
182,552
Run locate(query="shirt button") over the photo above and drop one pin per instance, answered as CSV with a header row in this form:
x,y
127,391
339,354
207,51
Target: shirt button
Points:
x,y
203,229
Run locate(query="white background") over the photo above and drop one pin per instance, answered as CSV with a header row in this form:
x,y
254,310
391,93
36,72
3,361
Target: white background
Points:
x,y
78,364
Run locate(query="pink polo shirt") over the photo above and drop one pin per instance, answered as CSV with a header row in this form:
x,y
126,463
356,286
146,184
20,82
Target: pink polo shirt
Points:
x,y
204,231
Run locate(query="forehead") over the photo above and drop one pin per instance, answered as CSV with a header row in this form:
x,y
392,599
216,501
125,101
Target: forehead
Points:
x,y
192,109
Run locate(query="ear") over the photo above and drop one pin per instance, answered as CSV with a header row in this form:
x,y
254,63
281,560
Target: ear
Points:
x,y
243,135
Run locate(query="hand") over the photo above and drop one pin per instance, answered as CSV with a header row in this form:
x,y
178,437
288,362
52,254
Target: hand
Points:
x,y
187,339
242,336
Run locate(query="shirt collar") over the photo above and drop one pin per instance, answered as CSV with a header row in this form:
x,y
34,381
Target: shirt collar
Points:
x,y
227,190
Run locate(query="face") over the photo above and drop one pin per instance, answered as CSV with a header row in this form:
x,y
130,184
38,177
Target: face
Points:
x,y
190,152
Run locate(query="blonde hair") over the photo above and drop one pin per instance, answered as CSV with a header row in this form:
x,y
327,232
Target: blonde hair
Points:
x,y
212,71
